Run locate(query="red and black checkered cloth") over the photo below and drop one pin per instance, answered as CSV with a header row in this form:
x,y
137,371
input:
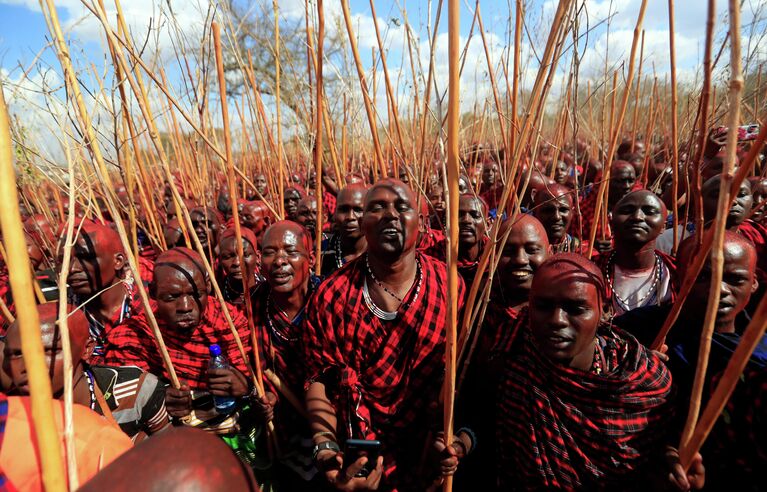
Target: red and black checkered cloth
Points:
x,y
283,357
133,343
467,269
329,202
562,428
382,376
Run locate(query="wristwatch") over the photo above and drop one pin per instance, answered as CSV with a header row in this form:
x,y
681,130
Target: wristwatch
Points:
x,y
331,445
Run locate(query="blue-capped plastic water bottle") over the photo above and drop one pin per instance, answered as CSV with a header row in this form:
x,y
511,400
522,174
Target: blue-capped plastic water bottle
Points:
x,y
224,404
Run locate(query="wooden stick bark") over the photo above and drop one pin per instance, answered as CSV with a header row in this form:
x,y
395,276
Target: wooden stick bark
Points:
x,y
105,179
318,137
259,377
20,279
453,171
369,110
674,131
730,378
617,129
720,223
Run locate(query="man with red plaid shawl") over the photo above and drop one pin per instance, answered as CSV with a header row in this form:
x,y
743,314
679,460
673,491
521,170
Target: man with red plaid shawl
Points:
x,y
581,406
374,351
190,322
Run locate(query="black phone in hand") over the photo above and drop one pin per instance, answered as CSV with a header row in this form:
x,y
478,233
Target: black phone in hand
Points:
x,y
357,448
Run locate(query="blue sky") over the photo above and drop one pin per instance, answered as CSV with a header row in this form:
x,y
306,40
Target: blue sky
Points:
x,y
23,34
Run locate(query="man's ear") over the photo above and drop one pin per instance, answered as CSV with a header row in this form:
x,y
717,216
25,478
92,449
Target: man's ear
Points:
x,y
312,259
754,285
120,262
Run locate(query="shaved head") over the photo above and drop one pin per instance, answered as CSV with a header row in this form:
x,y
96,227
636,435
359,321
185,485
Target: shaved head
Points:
x,y
391,184
282,226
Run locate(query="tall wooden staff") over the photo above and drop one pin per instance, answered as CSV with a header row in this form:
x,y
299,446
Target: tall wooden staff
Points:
x,y
719,225
280,165
616,130
20,277
674,130
369,110
453,170
318,137
259,383
103,176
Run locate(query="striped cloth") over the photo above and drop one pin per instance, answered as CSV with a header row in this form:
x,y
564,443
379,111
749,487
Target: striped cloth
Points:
x,y
563,429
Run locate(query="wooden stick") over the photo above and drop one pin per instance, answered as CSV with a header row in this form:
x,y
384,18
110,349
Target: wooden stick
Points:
x,y
518,13
730,378
719,225
361,74
63,317
258,375
280,164
636,96
103,176
20,279
389,91
453,171
318,136
298,405
616,130
702,254
697,196
674,132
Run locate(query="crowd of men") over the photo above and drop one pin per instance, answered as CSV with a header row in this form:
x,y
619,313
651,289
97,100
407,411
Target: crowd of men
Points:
x,y
338,377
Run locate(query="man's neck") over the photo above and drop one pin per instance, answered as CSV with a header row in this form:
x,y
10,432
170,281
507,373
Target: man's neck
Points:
x,y
353,246
472,253
106,306
397,271
635,257
291,302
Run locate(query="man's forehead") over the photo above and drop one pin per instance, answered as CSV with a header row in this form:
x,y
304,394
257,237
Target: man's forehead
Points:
x,y
284,233
386,187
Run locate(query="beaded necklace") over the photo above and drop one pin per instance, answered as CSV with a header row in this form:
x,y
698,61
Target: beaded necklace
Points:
x,y
272,328
656,273
91,388
380,313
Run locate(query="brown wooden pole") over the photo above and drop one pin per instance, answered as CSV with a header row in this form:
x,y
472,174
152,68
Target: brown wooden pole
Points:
x,y
720,223
20,279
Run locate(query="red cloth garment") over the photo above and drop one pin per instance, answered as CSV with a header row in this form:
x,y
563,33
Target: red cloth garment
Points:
x,y
133,343
329,202
146,269
492,196
757,234
562,428
382,376
580,227
429,238
467,269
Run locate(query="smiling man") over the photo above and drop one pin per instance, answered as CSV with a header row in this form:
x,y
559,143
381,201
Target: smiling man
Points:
x,y
374,342
581,407
637,274
348,242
